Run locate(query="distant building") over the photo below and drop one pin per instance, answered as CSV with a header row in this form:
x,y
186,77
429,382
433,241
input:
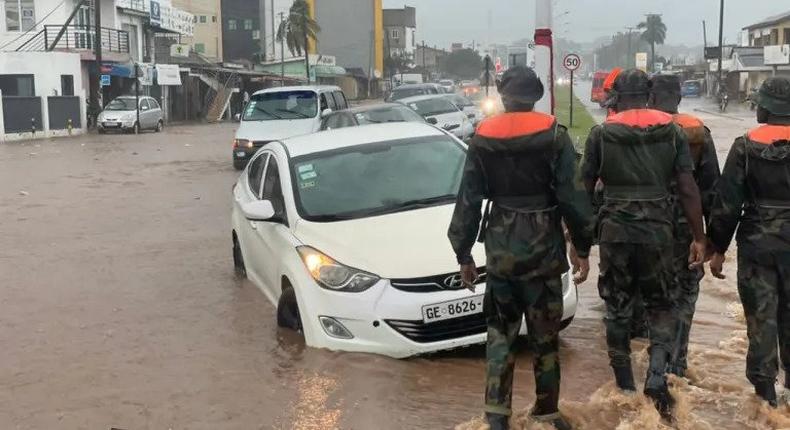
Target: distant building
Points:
x,y
400,27
241,31
774,30
428,57
207,17
456,47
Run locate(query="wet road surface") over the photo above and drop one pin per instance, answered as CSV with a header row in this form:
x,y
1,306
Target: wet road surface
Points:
x,y
119,308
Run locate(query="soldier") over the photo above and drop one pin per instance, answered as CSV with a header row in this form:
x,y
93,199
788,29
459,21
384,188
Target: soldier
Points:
x,y
753,196
524,163
637,153
666,97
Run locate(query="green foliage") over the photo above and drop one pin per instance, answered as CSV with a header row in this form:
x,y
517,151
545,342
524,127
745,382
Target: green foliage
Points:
x,y
655,32
298,28
462,64
617,54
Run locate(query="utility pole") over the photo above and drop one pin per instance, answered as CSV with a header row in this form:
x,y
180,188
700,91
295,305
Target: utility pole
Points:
x,y
630,53
274,49
96,103
424,67
721,40
282,53
704,34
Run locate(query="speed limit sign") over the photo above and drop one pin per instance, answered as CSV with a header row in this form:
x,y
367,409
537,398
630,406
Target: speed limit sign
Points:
x,y
572,62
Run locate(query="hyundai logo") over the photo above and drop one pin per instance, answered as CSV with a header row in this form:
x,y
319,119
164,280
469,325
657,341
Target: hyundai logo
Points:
x,y
454,282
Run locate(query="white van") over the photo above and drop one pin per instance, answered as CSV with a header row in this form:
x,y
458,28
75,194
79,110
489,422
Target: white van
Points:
x,y
283,112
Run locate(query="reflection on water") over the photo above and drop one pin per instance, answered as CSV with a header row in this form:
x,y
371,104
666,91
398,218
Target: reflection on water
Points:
x,y
313,411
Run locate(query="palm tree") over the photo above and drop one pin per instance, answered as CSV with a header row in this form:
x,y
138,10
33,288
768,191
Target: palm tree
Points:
x,y
654,33
297,30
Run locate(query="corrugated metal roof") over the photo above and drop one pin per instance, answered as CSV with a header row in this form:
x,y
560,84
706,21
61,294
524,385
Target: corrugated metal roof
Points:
x,y
771,20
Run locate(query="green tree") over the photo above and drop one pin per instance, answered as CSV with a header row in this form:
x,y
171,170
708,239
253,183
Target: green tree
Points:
x,y
655,31
462,64
297,29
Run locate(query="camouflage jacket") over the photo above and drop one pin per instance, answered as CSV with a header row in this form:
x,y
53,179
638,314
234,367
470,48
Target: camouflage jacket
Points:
x,y
526,166
706,175
652,155
753,195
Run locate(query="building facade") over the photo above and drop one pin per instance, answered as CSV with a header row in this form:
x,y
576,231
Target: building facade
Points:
x,y
207,18
400,31
774,30
241,31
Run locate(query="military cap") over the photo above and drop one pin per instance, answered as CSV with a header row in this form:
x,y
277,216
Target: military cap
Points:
x,y
774,96
632,82
520,84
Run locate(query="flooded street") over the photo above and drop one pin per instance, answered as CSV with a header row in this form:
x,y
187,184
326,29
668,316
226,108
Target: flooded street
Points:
x,y
119,308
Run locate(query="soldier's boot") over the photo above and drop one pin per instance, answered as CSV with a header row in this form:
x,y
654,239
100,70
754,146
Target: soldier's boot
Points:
x,y
678,370
656,384
555,419
767,391
498,421
624,376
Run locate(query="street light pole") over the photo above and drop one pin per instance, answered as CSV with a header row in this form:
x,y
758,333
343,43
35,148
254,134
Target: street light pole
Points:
x,y
721,40
630,54
282,53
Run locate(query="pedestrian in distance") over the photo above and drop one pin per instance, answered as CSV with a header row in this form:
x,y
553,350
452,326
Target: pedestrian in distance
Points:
x,y
524,163
753,196
665,96
639,153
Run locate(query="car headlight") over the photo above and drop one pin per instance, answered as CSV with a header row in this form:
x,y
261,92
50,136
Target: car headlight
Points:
x,y
332,275
489,106
242,143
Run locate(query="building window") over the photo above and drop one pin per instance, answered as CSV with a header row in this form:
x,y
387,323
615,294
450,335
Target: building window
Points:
x,y
231,24
774,36
67,85
194,19
17,85
395,33
19,15
213,18
248,24
256,35
200,48
202,19
787,37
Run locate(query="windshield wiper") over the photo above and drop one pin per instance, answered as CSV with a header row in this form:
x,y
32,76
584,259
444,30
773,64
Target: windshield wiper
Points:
x,y
422,203
299,114
260,109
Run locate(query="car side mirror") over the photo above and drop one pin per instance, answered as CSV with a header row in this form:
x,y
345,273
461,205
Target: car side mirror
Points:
x,y
258,210
432,121
143,108
326,112
237,117
471,116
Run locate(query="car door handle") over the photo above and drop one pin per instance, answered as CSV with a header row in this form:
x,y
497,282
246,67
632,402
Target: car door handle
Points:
x,y
253,225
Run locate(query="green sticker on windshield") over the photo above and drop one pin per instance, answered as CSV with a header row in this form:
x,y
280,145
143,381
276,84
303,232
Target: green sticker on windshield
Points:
x,y
305,168
305,185
308,175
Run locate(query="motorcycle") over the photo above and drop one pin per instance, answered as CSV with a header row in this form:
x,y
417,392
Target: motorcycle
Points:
x,y
724,100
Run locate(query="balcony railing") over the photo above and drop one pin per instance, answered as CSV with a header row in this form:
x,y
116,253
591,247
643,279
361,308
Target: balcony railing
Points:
x,y
78,38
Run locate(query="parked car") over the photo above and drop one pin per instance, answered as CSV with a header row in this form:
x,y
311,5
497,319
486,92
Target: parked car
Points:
x,y
370,114
121,115
446,115
597,94
691,89
448,85
344,232
283,112
413,90
468,107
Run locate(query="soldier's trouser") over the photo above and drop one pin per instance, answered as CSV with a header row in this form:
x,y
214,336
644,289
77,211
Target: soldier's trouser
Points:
x,y
506,301
764,287
686,293
624,268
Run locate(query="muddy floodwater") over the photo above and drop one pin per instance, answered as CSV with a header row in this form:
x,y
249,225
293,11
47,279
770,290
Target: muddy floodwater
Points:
x,y
119,308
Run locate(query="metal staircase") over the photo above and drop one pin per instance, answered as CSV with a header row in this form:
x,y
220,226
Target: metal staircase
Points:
x,y
219,99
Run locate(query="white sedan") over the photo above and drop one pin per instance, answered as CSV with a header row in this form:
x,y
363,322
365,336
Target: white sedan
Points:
x,y
441,111
345,232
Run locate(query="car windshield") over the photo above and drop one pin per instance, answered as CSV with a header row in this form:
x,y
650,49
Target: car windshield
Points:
x,y
446,82
403,93
378,178
298,104
691,85
460,101
121,104
433,106
388,114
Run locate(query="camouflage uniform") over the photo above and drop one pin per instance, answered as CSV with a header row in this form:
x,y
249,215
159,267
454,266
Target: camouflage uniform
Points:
x,y
636,154
525,165
753,196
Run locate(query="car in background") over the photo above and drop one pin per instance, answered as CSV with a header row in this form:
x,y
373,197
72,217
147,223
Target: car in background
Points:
x,y
370,114
448,85
412,90
446,115
691,88
598,95
344,232
121,114
283,112
468,107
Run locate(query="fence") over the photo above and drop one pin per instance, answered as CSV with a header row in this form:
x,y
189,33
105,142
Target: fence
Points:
x,y
22,114
77,37
41,117
64,112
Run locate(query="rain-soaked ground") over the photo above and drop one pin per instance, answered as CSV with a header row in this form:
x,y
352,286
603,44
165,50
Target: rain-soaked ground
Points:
x,y
119,308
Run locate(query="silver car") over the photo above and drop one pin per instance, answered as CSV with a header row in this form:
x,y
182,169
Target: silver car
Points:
x,y
121,115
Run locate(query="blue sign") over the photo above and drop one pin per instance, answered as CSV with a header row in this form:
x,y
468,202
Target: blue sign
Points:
x,y
105,80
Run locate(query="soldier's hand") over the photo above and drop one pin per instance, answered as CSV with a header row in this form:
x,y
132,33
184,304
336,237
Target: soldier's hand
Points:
x,y
469,276
717,265
697,254
581,270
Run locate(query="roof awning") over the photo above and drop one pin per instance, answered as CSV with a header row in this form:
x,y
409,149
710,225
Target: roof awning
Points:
x,y
328,71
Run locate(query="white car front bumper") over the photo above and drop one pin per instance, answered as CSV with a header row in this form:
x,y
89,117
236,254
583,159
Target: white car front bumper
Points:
x,y
389,321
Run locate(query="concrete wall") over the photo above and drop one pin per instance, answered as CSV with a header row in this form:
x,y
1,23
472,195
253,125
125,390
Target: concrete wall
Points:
x,y
347,31
209,34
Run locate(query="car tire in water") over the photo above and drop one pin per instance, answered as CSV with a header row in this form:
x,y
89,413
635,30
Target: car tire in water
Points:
x,y
566,323
288,310
238,260
160,126
239,164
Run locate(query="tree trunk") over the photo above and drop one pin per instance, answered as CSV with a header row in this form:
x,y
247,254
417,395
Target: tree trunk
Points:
x,y
653,57
307,57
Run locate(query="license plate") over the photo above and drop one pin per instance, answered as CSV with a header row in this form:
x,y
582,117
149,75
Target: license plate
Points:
x,y
452,309
112,124
240,153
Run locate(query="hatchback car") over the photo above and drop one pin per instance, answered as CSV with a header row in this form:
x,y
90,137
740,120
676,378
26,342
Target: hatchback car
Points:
x,y
345,232
444,113
691,89
370,114
121,114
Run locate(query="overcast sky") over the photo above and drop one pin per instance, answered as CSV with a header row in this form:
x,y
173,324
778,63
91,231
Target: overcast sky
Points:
x,y
442,22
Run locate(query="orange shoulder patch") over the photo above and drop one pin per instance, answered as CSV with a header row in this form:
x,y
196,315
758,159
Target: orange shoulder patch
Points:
x,y
641,118
688,121
510,125
768,134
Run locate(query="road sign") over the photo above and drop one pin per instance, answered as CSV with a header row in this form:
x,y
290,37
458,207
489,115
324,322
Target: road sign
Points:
x,y
572,62
641,61
105,80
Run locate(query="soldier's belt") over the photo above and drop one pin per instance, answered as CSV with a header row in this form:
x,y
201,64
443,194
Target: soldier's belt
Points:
x,y
635,193
537,202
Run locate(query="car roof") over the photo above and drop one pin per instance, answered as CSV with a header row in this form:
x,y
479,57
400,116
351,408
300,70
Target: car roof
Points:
x,y
353,136
423,98
316,88
377,106
413,86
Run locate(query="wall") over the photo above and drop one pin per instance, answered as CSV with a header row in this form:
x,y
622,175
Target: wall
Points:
x,y
345,35
47,68
209,33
